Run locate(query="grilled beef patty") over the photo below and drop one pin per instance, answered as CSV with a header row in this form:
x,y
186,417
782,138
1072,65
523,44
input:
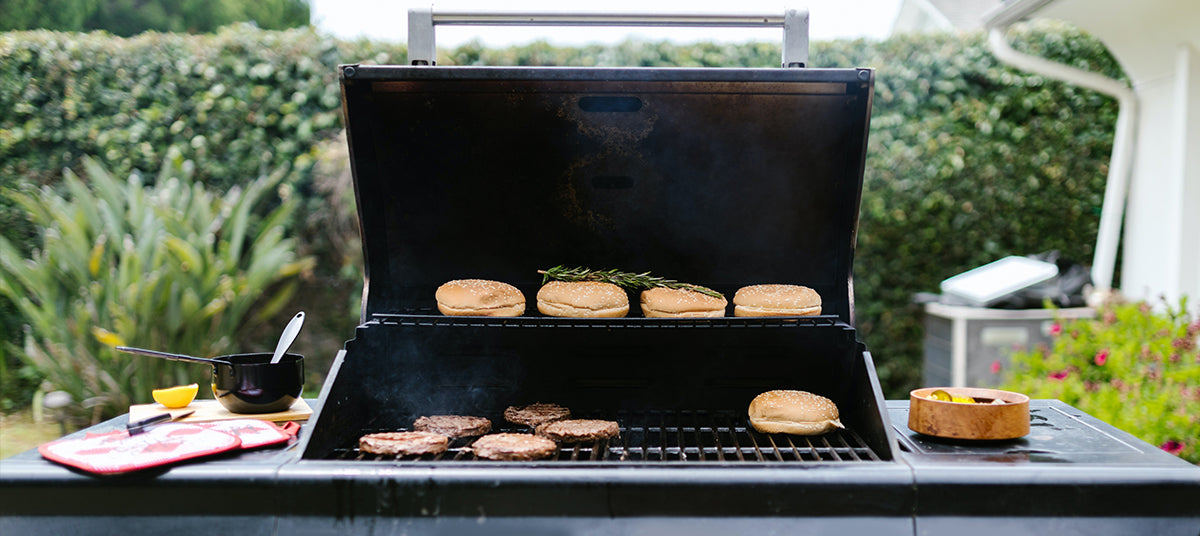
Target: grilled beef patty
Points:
x,y
513,447
579,430
454,426
403,443
535,414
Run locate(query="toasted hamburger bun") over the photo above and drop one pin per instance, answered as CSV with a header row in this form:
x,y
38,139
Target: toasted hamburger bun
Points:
x,y
793,412
582,299
479,297
776,300
662,302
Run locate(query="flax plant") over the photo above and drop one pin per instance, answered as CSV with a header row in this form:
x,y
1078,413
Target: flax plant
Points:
x,y
173,266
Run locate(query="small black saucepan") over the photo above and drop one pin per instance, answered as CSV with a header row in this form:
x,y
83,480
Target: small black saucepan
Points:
x,y
247,383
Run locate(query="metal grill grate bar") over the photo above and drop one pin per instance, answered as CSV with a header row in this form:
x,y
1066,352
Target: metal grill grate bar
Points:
x,y
693,437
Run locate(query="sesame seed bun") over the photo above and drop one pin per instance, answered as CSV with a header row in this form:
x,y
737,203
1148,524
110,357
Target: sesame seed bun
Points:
x,y
793,412
776,300
479,297
582,299
662,302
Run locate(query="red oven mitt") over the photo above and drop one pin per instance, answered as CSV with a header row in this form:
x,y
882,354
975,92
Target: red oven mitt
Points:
x,y
118,452
253,432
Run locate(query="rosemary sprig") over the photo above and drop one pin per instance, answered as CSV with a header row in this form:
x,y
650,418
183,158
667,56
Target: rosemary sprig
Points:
x,y
642,281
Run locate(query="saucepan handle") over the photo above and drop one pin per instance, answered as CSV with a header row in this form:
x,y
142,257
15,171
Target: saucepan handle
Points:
x,y
165,355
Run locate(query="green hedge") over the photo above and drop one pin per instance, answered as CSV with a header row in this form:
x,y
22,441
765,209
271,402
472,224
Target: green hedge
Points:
x,y
968,160
238,103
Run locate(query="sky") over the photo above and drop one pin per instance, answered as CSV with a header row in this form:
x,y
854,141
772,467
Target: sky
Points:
x,y
386,20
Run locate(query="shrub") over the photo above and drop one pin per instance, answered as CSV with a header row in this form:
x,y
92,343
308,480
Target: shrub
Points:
x,y
1131,367
174,266
969,160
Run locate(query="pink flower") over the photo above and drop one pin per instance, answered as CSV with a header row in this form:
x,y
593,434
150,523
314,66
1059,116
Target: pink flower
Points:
x,y
1101,358
1173,447
1060,375
996,367
1055,329
1110,317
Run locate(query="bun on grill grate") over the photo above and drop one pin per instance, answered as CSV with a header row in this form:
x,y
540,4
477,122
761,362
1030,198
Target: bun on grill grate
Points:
x,y
776,300
662,302
793,412
582,299
479,297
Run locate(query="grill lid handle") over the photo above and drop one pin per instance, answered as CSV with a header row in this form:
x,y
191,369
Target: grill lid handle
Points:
x,y
422,44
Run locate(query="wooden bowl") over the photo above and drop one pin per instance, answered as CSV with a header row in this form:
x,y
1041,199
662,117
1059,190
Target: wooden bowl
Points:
x,y
960,420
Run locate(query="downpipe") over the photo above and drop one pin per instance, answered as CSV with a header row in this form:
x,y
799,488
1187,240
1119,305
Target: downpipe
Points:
x,y
1120,167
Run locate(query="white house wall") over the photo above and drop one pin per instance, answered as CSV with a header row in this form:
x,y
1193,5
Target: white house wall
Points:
x,y
1157,43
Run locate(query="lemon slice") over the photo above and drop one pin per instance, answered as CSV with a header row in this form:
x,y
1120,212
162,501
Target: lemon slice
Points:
x,y
176,397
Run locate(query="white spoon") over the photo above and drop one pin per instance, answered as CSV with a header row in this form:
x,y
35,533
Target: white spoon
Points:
x,y
288,337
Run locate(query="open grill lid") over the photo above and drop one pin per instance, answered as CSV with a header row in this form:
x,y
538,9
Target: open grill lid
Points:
x,y
719,177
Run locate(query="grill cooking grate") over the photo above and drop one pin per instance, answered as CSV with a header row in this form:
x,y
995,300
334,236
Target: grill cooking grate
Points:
x,y
699,437
430,317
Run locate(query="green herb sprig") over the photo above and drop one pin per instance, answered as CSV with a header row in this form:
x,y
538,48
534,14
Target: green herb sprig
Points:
x,y
629,280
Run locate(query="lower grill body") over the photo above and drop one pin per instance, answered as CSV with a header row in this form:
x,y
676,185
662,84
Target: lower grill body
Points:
x,y
679,389
928,489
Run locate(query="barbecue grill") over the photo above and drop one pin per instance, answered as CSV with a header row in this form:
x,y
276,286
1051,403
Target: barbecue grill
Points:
x,y
721,177
727,177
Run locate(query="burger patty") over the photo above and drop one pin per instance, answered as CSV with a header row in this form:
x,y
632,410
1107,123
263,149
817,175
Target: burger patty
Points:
x,y
535,414
579,430
513,447
403,443
454,426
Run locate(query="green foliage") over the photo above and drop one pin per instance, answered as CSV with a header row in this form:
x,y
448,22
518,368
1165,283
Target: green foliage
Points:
x,y
131,17
1131,367
175,266
968,161
48,14
237,103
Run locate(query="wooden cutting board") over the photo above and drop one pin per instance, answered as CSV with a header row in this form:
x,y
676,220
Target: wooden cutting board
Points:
x,y
211,410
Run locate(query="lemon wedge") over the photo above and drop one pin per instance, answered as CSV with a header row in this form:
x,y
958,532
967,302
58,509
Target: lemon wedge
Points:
x,y
940,395
176,397
947,397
